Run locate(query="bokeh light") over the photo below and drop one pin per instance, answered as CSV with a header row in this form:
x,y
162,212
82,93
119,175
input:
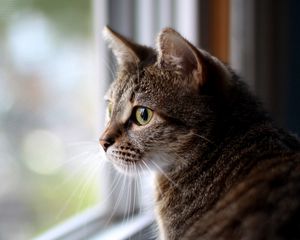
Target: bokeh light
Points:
x,y
43,152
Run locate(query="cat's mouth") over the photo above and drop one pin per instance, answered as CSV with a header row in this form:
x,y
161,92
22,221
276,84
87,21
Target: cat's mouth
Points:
x,y
133,163
125,161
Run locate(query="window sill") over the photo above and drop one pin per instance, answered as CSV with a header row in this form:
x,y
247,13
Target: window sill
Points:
x,y
128,229
92,224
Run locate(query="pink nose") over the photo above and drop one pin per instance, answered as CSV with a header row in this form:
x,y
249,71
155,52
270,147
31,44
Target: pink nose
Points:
x,y
106,143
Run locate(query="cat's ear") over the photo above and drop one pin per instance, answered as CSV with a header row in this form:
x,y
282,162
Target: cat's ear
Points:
x,y
174,50
126,51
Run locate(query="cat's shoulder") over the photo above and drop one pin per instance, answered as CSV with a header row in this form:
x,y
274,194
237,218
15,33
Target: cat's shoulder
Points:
x,y
265,205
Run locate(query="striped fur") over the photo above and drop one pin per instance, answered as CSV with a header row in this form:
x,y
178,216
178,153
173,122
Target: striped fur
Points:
x,y
224,170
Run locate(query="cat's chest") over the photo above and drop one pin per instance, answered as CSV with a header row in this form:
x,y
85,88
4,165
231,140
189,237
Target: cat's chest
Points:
x,y
179,203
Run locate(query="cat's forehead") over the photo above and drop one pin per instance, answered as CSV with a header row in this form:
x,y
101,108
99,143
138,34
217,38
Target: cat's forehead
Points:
x,y
150,86
163,91
123,87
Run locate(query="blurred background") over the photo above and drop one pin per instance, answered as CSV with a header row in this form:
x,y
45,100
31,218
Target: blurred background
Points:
x,y
48,114
55,68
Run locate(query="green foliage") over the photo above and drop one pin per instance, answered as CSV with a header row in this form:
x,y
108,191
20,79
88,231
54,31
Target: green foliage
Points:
x,y
60,198
69,17
51,199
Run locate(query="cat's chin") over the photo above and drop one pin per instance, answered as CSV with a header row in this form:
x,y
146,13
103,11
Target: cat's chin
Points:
x,y
126,171
137,168
149,163
129,168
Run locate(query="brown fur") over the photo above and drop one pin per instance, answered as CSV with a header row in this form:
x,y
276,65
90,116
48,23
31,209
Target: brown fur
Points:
x,y
224,171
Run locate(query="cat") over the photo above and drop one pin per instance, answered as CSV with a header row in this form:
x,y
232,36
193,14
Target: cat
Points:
x,y
223,169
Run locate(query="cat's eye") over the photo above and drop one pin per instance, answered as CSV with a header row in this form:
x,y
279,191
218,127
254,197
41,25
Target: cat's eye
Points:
x,y
143,115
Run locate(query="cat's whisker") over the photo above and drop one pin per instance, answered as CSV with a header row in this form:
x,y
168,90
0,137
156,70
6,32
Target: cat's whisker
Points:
x,y
82,185
156,185
138,184
127,201
74,173
134,194
147,167
75,158
114,185
203,137
71,197
132,197
164,174
83,193
182,160
78,168
119,197
150,171
140,191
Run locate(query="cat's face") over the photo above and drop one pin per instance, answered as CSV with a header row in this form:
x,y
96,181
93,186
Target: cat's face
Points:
x,y
143,122
153,110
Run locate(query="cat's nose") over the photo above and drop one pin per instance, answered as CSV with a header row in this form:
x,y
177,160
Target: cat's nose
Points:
x,y
106,142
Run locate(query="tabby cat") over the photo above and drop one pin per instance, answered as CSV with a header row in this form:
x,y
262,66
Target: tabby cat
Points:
x,y
223,170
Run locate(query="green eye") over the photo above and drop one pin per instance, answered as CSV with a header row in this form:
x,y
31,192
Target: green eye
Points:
x,y
143,115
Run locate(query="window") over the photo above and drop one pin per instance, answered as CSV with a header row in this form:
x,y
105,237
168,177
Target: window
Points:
x,y
48,115
54,70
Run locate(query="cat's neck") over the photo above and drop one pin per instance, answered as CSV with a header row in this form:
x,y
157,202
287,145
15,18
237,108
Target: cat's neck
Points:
x,y
211,176
219,163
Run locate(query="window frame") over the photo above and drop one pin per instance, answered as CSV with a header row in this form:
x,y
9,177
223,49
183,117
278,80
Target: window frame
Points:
x,y
92,224
242,52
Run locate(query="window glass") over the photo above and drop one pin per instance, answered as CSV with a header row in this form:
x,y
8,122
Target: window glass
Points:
x,y
48,115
